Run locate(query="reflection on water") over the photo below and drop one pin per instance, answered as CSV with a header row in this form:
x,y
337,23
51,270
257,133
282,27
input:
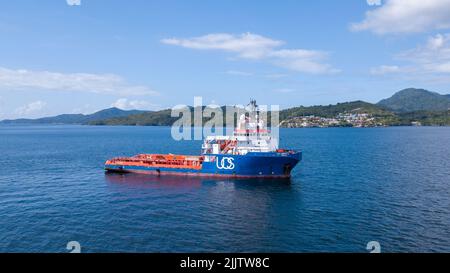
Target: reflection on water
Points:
x,y
150,181
154,181
217,212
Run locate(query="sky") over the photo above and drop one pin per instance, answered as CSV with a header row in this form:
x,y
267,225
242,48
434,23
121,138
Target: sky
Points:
x,y
81,56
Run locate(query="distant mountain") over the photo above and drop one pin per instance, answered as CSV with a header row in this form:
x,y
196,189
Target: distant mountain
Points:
x,y
77,118
157,118
411,100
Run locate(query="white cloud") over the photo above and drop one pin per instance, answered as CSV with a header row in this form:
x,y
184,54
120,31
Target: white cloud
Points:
x,y
276,76
31,108
431,58
73,2
83,82
308,61
437,41
436,49
440,68
385,69
434,56
374,2
257,47
238,73
126,104
406,16
247,45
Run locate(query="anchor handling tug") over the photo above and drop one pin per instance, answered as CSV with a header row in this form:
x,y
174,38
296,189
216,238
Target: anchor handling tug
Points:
x,y
251,152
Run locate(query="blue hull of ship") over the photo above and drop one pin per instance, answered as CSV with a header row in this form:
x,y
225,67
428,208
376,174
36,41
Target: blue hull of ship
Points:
x,y
266,165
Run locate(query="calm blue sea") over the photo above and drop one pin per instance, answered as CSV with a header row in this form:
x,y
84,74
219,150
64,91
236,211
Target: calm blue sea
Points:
x,y
390,185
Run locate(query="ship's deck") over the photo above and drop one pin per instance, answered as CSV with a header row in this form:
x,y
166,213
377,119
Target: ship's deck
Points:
x,y
160,161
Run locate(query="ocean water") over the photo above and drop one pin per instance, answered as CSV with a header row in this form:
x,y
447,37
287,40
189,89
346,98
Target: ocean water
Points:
x,y
390,185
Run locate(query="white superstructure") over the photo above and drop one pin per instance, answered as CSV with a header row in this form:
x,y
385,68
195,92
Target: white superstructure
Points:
x,y
250,135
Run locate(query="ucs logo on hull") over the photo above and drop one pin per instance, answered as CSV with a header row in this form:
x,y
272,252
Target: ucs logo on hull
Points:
x,y
226,163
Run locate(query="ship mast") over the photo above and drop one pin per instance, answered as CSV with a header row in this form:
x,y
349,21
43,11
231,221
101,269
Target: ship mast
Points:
x,y
254,108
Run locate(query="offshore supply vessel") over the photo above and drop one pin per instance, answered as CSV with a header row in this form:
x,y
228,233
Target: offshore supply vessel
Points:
x,y
250,152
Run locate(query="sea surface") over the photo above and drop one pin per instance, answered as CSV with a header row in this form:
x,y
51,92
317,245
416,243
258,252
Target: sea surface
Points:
x,y
390,185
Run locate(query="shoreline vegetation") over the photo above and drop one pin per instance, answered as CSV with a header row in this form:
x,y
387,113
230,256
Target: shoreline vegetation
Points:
x,y
409,107
354,115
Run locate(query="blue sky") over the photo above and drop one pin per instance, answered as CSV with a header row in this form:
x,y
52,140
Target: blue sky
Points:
x,y
71,56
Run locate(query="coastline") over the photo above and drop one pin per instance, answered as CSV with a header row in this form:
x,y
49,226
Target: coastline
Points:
x,y
168,126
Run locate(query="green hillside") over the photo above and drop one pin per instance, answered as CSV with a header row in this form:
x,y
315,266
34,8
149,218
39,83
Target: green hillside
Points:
x,y
157,118
426,118
330,111
411,100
